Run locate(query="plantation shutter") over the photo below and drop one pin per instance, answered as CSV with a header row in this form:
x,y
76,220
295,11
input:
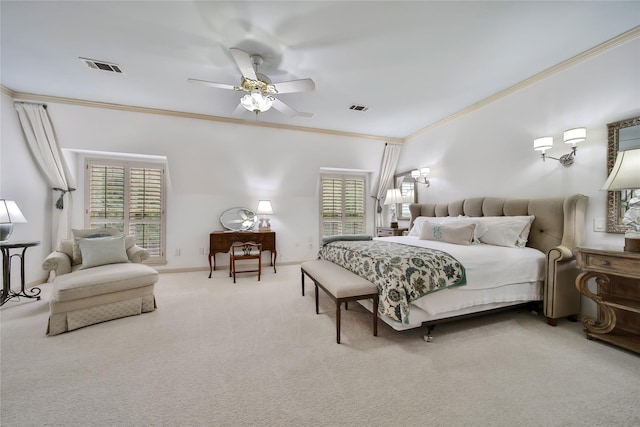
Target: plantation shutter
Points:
x,y
106,196
145,208
130,197
342,204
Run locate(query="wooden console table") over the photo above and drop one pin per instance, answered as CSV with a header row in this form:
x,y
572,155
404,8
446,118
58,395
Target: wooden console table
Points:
x,y
617,275
220,241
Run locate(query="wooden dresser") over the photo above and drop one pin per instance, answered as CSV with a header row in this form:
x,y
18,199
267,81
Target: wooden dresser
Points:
x,y
617,275
220,241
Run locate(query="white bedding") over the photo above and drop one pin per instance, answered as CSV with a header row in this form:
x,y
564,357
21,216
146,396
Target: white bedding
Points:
x,y
495,275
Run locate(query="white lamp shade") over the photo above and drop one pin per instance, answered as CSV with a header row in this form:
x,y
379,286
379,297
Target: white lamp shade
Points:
x,y
573,136
425,171
415,173
10,213
394,196
264,208
625,174
544,143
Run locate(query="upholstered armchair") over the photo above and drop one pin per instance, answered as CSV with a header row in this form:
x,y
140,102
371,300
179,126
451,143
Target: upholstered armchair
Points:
x,y
96,278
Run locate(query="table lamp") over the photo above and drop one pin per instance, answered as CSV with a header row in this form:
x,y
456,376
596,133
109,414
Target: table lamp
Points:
x,y
264,209
394,196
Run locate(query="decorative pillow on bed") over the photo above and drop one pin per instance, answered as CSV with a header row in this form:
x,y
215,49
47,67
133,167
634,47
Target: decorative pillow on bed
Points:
x,y
102,250
460,233
419,221
511,231
89,233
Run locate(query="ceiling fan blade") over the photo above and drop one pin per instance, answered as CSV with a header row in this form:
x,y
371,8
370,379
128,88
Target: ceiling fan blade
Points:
x,y
303,85
212,84
288,111
243,60
240,110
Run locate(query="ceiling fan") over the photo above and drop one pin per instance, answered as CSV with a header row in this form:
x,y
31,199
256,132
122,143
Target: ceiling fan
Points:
x,y
259,90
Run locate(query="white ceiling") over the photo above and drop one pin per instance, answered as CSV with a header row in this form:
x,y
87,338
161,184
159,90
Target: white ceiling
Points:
x,y
414,63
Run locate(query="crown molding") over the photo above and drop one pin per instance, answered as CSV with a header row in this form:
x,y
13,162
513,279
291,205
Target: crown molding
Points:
x,y
7,91
20,96
596,50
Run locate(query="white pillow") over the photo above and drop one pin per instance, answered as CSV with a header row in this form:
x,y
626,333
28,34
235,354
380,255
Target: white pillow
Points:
x,y
417,226
511,231
480,229
102,250
460,233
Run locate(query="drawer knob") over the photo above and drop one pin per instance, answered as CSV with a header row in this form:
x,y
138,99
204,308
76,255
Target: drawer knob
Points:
x,y
604,262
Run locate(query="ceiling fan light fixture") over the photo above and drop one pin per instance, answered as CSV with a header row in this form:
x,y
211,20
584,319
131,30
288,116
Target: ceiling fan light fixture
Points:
x,y
259,90
256,102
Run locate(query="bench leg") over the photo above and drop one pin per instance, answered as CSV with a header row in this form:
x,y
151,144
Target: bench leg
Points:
x,y
375,315
317,312
302,274
338,321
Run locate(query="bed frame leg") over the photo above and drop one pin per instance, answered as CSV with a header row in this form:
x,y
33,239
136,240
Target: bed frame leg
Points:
x,y
429,337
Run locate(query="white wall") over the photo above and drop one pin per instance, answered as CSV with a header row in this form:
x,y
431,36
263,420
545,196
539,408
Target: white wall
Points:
x,y
21,180
213,166
489,152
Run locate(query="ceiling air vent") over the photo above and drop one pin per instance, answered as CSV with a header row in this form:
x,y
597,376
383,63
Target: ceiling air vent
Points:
x,y
361,108
102,65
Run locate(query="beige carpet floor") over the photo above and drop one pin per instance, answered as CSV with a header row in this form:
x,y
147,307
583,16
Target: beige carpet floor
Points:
x,y
256,354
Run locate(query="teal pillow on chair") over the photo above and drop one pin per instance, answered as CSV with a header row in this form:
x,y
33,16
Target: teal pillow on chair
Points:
x,y
102,250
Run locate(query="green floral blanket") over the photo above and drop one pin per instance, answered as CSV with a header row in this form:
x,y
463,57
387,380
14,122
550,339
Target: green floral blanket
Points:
x,y
403,273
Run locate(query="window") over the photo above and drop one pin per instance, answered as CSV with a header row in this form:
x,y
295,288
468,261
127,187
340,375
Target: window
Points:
x,y
342,204
130,197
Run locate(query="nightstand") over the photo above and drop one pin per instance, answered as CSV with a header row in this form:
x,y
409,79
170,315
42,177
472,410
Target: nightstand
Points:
x,y
388,231
617,275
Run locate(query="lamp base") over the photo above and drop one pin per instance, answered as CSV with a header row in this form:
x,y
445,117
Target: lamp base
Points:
x,y
5,231
265,224
632,244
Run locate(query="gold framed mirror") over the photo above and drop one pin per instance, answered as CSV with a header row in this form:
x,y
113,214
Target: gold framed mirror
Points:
x,y
407,186
617,201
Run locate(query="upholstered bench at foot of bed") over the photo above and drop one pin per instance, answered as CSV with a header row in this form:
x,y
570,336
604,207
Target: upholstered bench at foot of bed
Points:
x,y
98,294
342,286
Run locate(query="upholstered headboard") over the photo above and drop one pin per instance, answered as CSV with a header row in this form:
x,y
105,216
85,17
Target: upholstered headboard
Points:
x,y
558,228
558,221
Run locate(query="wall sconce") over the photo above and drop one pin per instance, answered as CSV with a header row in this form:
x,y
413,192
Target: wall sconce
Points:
x,y
421,175
9,215
394,196
264,209
571,136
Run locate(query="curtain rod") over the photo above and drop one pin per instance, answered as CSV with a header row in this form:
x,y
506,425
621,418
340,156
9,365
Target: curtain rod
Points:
x,y
32,103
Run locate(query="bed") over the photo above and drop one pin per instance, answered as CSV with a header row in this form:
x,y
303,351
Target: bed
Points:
x,y
427,280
